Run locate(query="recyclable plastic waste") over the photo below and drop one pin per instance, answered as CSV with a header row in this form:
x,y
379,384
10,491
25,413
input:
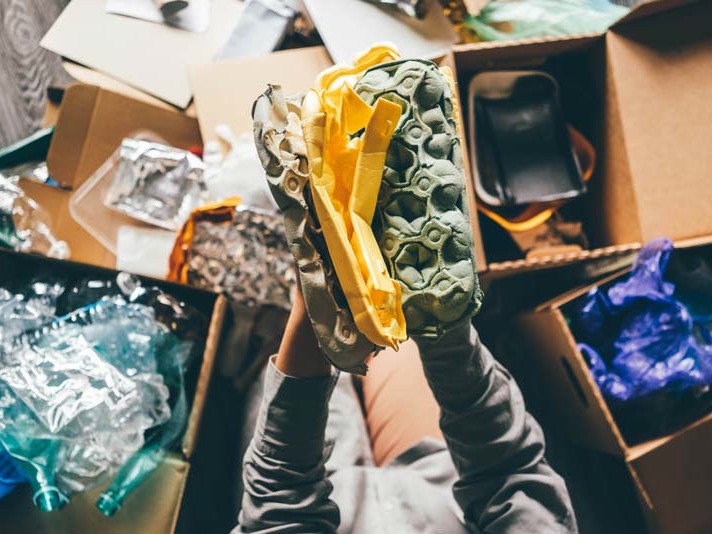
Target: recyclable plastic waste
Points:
x,y
344,180
82,394
10,474
24,225
154,183
368,172
648,343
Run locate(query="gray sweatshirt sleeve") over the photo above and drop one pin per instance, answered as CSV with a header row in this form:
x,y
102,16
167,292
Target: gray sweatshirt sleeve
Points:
x,y
505,484
286,489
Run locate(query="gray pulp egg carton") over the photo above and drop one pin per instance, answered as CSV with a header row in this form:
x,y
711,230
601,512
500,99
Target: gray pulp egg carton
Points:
x,y
281,148
422,222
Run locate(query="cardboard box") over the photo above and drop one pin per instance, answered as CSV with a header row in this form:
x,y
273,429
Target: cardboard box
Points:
x,y
155,506
672,474
91,125
640,93
89,76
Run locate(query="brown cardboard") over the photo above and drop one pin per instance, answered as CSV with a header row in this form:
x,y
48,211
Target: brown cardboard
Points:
x,y
650,7
225,90
155,505
151,57
672,474
91,125
89,76
669,161
653,168
480,260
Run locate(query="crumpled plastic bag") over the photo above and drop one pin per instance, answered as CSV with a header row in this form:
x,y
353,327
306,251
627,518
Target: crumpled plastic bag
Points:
x,y
510,20
641,341
238,173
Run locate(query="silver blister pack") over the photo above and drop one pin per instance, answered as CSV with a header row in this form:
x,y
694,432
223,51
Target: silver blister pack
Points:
x,y
156,184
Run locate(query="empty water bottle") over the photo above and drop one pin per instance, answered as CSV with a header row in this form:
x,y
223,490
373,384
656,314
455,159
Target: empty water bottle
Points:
x,y
24,225
78,395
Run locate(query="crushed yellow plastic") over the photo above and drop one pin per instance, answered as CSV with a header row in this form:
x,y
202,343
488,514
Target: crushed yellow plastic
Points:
x,y
344,178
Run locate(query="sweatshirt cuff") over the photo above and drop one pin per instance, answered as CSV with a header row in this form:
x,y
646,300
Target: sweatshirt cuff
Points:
x,y
455,365
292,420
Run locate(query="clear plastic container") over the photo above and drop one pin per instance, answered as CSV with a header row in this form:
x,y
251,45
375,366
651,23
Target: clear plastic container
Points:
x,y
87,203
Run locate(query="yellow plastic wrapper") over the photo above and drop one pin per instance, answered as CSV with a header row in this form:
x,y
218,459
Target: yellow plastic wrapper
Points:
x,y
344,178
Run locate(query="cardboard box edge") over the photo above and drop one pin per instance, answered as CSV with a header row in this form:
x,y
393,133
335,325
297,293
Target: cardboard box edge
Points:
x,y
202,388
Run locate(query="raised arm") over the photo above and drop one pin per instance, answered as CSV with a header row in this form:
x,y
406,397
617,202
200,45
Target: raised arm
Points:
x,y
286,489
505,484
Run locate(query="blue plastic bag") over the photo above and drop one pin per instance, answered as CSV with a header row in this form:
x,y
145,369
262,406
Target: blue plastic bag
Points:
x,y
639,337
10,474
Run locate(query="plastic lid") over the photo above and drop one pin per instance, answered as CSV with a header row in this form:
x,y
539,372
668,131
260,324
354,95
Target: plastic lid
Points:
x,y
108,505
49,499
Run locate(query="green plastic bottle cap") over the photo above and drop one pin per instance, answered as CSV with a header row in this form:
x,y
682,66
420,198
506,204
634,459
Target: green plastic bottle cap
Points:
x,y
49,499
107,505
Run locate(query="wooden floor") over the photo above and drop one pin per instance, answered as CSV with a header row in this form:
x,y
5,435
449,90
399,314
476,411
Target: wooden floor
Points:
x,y
26,69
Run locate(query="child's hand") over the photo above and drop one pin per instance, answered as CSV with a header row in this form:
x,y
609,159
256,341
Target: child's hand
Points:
x,y
299,354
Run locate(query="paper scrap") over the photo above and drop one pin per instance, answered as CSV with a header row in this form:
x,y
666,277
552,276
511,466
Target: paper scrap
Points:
x,y
151,57
348,27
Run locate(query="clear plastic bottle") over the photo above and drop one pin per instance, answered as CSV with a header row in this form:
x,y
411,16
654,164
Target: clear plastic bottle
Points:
x,y
24,225
77,396
173,357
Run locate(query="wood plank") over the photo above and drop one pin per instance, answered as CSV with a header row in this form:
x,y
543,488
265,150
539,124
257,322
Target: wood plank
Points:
x,y
26,70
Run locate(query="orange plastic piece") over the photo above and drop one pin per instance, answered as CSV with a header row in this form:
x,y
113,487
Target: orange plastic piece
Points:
x,y
216,212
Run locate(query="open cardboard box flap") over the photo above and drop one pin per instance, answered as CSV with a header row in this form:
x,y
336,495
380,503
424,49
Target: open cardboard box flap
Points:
x,y
85,75
224,91
650,7
91,125
659,79
642,188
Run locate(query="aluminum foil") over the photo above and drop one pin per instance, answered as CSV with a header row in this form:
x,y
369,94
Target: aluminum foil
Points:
x,y
156,184
248,258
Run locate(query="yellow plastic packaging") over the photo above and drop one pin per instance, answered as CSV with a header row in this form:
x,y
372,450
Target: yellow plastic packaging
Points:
x,y
344,178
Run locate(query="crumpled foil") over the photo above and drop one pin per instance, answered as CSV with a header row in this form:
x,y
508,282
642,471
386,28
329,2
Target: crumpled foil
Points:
x,y
156,184
248,258
243,252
